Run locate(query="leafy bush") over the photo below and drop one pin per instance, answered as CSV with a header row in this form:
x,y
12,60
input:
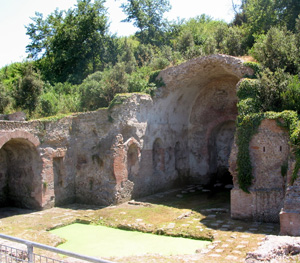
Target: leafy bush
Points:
x,y
138,81
248,88
291,95
271,87
185,41
144,54
277,49
257,68
29,89
92,92
233,42
248,106
159,63
98,89
48,104
4,98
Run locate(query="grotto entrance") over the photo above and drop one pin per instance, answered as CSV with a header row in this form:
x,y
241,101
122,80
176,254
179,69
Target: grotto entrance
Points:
x,y
219,148
20,180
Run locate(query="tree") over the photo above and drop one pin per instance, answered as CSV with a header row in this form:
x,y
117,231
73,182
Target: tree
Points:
x,y
277,49
127,56
70,43
288,11
297,29
4,98
29,89
99,88
261,15
234,41
147,16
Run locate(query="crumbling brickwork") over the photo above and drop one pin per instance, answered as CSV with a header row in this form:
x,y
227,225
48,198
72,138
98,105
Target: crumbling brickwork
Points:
x,y
269,150
138,147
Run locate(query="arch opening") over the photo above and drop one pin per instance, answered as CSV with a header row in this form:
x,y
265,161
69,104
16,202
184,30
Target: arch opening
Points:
x,y
132,162
59,175
20,180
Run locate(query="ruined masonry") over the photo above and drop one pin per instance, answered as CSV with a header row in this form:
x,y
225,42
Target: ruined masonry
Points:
x,y
143,144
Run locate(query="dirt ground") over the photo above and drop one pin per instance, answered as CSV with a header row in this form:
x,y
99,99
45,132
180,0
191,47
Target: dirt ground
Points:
x,y
189,212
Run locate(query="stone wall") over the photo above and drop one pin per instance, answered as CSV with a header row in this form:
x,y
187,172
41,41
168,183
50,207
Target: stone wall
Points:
x,y
269,151
143,145
290,213
139,146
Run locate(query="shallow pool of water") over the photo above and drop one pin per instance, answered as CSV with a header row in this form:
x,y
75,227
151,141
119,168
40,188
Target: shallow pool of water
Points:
x,y
101,241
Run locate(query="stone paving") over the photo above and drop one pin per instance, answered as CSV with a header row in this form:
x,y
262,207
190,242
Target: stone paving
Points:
x,y
239,241
230,240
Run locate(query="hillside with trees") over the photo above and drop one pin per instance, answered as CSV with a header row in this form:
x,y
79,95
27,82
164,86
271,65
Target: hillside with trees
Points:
x,y
74,64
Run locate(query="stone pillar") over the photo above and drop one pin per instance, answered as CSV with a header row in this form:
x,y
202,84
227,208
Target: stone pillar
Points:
x,y
241,204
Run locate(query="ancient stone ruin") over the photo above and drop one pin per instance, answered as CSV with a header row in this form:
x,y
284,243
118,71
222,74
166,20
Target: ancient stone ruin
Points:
x,y
142,144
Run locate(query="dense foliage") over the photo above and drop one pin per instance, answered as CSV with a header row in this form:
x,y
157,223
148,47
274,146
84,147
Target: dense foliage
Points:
x,y
147,16
71,44
272,95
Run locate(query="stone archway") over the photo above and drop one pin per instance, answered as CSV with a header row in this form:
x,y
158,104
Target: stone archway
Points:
x,y
20,171
133,153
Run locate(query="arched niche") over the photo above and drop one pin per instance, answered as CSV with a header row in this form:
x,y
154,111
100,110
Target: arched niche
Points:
x,y
133,153
219,148
158,156
20,174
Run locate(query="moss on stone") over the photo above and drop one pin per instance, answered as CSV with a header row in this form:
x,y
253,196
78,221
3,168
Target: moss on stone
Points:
x,y
56,117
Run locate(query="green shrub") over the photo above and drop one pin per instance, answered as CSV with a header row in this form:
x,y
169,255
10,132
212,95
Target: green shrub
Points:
x,y
257,68
4,98
159,63
247,126
248,88
28,92
233,42
291,95
248,106
48,104
92,95
137,81
277,49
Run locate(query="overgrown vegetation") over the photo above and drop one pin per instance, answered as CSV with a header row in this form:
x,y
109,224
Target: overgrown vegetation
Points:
x,y
75,64
266,98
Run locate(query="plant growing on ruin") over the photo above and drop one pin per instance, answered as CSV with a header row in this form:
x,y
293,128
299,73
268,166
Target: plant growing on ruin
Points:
x,y
271,95
255,66
247,126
